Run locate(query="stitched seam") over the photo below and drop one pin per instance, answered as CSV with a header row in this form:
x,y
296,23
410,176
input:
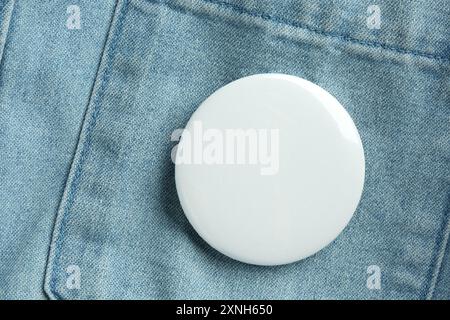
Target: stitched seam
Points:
x,y
327,33
86,145
299,25
105,79
7,12
439,257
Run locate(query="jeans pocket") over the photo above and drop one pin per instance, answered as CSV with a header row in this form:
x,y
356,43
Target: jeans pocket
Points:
x,y
120,223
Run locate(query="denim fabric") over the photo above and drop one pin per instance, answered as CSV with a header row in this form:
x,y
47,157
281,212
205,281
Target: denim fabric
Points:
x,y
6,8
119,219
46,77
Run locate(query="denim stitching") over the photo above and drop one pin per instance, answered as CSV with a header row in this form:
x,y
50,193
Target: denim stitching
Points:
x,y
303,26
6,13
86,145
439,255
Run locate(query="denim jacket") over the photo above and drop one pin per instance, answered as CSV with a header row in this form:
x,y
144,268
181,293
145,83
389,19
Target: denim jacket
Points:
x,y
90,92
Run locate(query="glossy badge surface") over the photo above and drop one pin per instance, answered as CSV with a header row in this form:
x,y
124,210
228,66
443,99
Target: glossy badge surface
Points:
x,y
269,169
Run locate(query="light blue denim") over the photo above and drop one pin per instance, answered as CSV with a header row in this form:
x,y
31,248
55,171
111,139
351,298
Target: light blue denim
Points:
x,y
86,115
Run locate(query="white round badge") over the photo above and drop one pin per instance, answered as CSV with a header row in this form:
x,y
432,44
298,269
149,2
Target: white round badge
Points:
x,y
269,169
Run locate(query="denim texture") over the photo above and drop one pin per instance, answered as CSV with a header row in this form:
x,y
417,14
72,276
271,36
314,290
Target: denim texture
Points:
x,y
46,77
86,170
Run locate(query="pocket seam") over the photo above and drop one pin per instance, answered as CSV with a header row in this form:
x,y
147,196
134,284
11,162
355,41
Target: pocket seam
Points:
x,y
298,25
82,150
6,14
